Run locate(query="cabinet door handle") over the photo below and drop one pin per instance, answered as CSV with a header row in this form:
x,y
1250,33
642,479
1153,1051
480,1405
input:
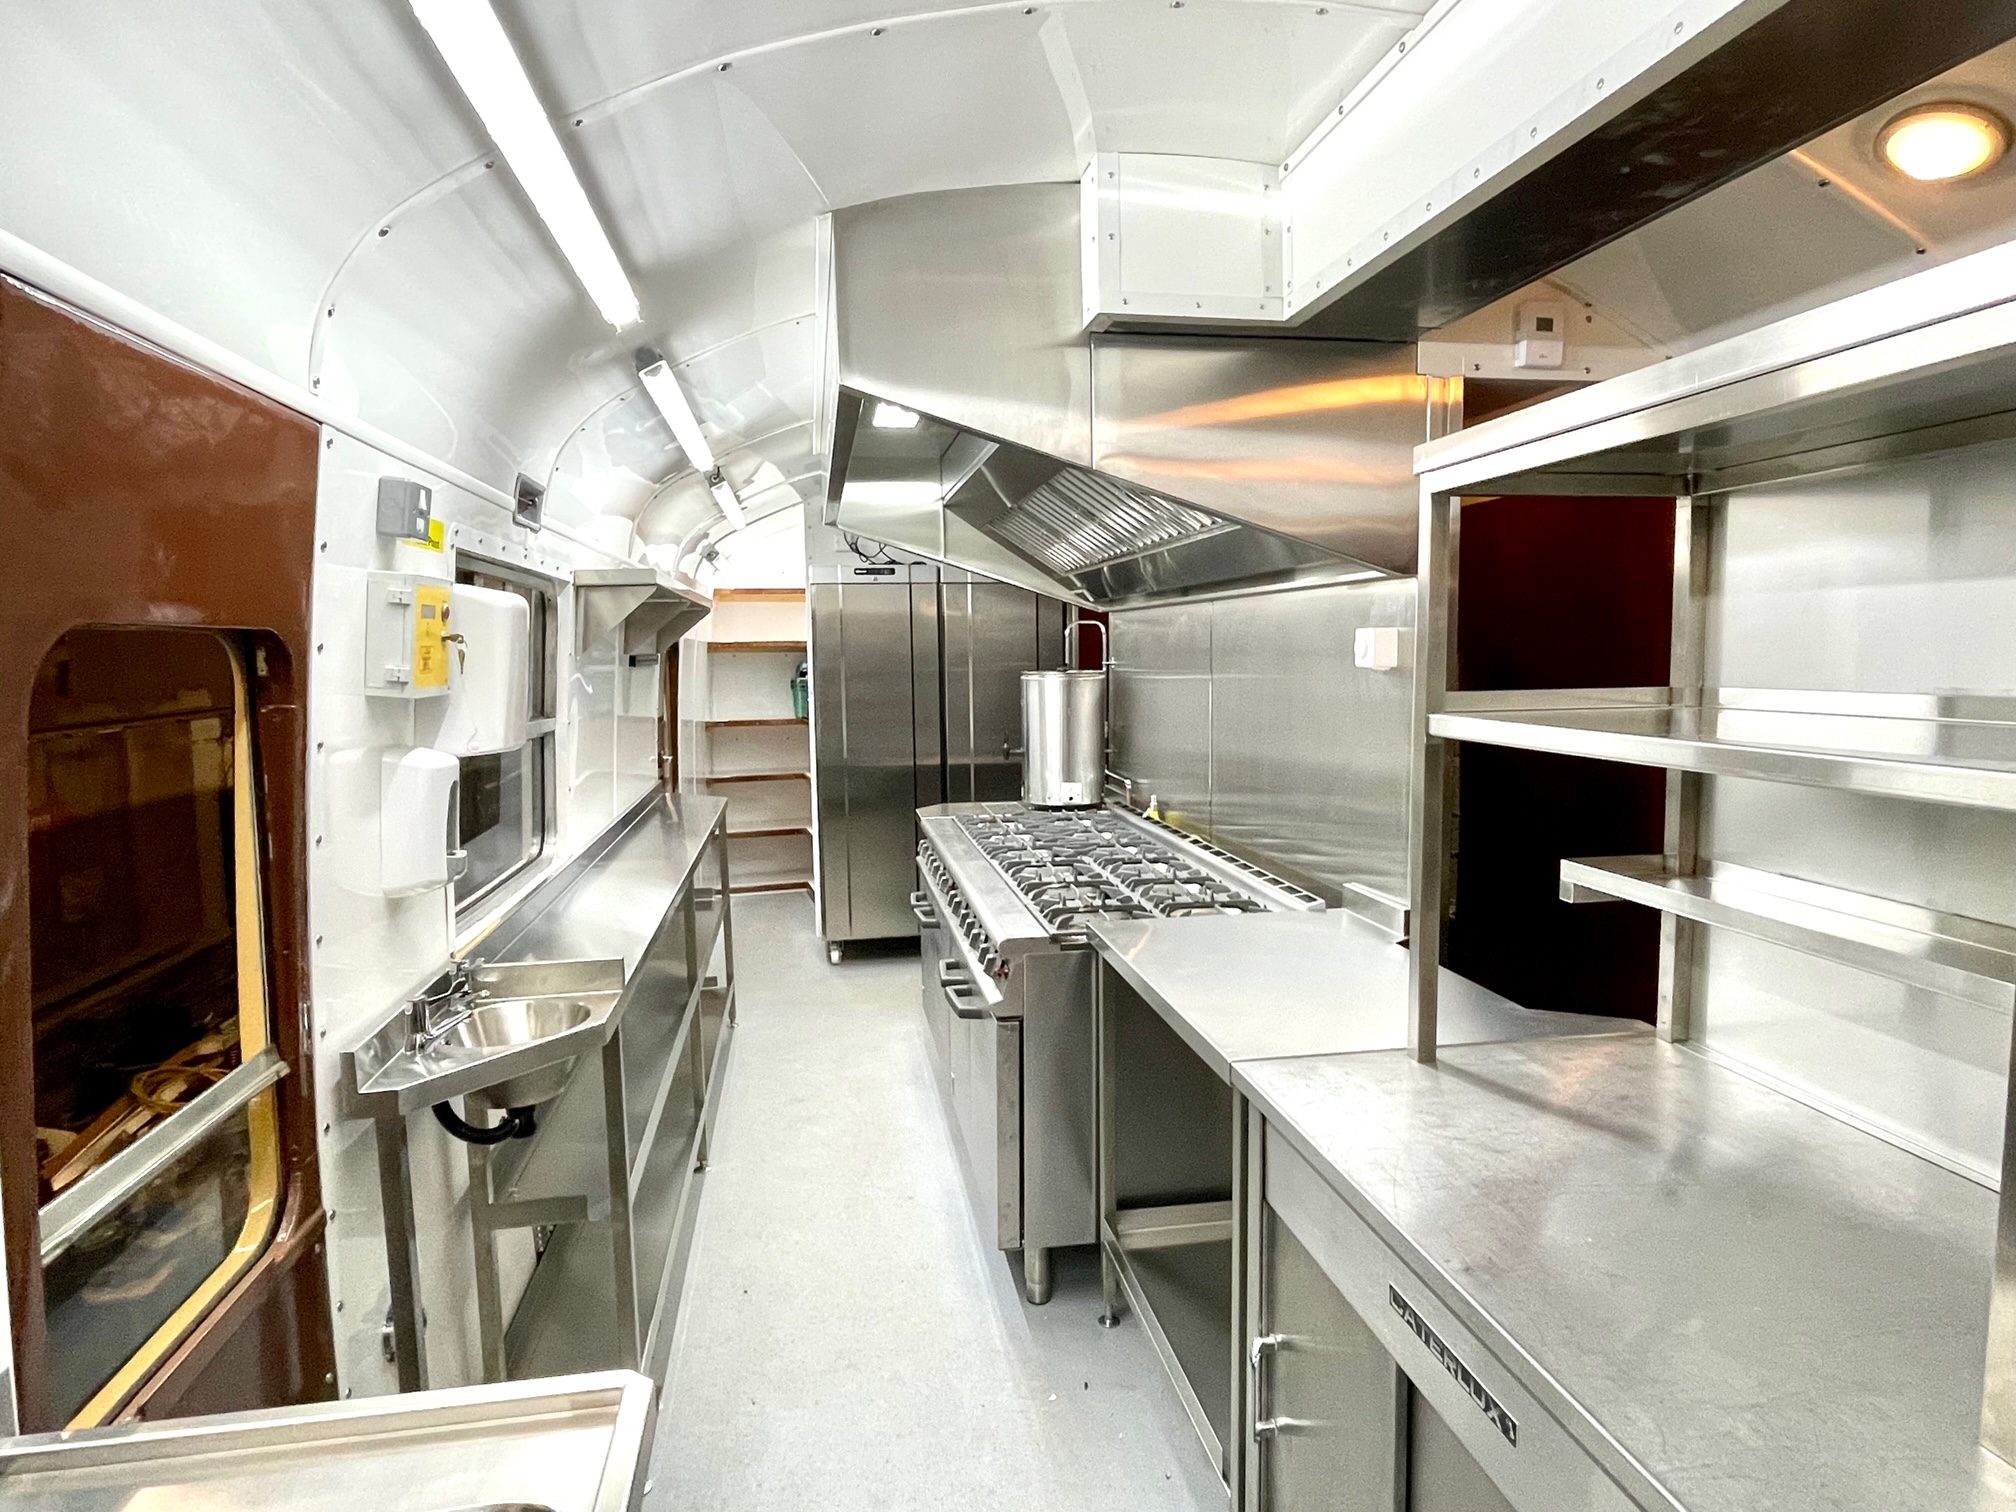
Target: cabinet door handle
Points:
x,y
958,997
1257,1352
958,989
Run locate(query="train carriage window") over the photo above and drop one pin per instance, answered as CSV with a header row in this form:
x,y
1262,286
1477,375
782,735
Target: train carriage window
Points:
x,y
155,1121
506,800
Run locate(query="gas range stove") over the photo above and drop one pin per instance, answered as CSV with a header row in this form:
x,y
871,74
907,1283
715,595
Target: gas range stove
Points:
x,y
1006,902
1072,868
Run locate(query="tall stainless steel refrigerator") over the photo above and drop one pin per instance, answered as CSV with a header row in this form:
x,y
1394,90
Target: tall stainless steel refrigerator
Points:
x,y
916,700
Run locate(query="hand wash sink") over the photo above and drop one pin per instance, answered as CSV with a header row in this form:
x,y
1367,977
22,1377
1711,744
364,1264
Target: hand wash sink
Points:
x,y
491,1027
507,1036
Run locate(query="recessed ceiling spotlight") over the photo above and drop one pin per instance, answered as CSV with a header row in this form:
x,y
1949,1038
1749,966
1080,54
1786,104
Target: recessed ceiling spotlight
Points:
x,y
1935,144
889,416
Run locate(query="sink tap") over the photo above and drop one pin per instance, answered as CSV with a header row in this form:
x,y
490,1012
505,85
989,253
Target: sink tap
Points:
x,y
432,1016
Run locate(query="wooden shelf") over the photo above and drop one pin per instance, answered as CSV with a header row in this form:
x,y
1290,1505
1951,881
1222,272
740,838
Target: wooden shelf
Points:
x,y
758,777
759,595
754,724
772,887
1960,957
763,832
756,645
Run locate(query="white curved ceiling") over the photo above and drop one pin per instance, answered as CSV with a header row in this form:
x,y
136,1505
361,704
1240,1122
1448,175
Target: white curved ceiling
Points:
x,y
304,183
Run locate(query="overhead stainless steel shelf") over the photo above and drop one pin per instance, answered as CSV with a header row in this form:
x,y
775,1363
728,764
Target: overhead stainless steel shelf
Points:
x,y
648,601
1923,364
1952,954
1930,749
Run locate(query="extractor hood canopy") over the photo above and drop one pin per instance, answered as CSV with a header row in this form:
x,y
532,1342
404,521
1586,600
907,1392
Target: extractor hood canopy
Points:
x,y
1107,471
1023,517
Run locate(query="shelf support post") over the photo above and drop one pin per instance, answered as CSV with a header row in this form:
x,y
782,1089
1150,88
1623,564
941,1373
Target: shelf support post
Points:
x,y
1679,938
1428,813
1998,1387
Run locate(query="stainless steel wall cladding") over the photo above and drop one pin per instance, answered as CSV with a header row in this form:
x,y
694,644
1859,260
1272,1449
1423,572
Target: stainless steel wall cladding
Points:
x,y
971,402
1249,723
1871,582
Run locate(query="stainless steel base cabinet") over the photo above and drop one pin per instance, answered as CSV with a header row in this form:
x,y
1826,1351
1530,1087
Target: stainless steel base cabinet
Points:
x,y
1364,1394
1328,1404
1337,1424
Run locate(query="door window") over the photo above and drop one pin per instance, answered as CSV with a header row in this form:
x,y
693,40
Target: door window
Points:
x,y
155,1125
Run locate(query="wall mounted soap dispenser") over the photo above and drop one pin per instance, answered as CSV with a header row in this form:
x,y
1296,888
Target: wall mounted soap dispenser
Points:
x,y
394,819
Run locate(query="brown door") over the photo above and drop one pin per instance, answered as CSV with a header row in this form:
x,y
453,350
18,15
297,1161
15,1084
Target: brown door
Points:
x,y
156,543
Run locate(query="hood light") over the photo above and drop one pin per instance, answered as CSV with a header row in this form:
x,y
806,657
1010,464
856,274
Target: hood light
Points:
x,y
889,416
477,52
1935,144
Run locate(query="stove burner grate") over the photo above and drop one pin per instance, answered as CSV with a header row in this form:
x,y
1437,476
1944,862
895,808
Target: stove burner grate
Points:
x,y
1075,868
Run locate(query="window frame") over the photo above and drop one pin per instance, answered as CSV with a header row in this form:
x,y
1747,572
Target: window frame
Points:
x,y
541,748
249,1089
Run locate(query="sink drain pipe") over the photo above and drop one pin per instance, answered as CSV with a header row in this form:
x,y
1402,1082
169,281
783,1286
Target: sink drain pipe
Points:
x,y
519,1123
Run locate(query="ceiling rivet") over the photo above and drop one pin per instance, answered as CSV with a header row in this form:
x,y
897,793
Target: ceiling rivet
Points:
x,y
723,67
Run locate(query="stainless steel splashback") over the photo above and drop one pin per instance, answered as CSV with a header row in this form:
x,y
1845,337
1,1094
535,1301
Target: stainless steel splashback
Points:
x,y
1110,471
1248,722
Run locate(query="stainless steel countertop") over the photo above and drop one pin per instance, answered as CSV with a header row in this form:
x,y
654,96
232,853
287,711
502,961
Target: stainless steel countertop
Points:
x,y
1730,1298
614,907
1242,987
606,905
569,1443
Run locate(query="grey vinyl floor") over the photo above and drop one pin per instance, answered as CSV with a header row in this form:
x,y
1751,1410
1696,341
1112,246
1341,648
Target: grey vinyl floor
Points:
x,y
845,1339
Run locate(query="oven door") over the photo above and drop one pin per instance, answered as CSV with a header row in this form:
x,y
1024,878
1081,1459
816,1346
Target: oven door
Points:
x,y
934,946
986,1058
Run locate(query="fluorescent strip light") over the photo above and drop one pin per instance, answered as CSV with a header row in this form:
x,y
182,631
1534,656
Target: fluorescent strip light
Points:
x,y
477,52
663,387
724,495
889,416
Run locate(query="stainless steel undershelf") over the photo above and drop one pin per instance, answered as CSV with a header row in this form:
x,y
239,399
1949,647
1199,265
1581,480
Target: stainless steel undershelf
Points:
x,y
573,1444
1241,987
1728,1298
1961,957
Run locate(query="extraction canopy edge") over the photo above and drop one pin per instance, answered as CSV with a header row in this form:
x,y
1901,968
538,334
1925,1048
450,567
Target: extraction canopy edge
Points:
x,y
1090,536
978,423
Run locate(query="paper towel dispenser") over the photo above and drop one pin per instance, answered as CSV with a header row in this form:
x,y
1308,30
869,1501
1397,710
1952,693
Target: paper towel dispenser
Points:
x,y
489,676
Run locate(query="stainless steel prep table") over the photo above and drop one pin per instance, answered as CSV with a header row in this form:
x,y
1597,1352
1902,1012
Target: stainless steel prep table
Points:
x,y
613,905
612,1165
1259,986
1176,1152
574,1444
1722,1298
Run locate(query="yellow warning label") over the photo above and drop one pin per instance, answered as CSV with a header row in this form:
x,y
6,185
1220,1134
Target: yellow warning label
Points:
x,y
435,539
430,624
